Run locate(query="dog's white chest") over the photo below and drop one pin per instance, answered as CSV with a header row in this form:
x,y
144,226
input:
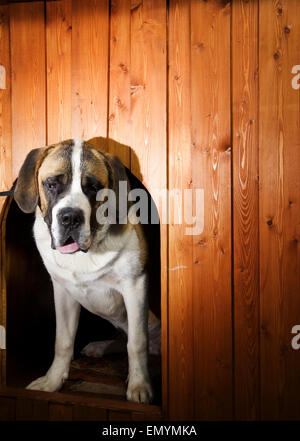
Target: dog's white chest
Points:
x,y
91,278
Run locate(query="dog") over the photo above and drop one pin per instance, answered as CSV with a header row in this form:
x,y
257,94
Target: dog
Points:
x,y
100,266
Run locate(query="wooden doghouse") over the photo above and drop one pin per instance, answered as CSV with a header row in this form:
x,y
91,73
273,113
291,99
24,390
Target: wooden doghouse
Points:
x,y
206,95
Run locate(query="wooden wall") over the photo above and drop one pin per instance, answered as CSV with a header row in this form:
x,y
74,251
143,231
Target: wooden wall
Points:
x,y
202,93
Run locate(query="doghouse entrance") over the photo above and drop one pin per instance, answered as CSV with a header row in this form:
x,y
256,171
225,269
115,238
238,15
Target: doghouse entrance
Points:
x,y
31,319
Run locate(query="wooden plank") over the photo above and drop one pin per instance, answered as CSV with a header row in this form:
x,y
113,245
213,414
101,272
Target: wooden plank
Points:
x,y
181,375
245,207
148,116
210,101
279,159
82,400
85,413
114,415
90,41
40,410
7,409
137,416
59,74
5,106
5,155
31,410
119,125
28,79
24,409
148,92
60,412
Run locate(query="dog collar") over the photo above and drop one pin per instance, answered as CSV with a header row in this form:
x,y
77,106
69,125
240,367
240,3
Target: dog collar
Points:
x,y
7,193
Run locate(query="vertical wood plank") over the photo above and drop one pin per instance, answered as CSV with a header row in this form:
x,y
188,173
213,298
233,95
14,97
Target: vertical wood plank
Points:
x,y
5,154
60,412
89,68
181,383
148,92
119,81
5,106
24,409
148,129
59,75
279,159
31,410
28,79
40,410
245,207
7,409
210,83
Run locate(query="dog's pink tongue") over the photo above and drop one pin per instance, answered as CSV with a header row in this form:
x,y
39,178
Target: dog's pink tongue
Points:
x,y
70,248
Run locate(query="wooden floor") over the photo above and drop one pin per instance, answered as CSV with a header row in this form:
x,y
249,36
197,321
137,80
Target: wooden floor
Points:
x,y
95,390
24,405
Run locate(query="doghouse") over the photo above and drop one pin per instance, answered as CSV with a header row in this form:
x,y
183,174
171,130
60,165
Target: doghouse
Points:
x,y
200,98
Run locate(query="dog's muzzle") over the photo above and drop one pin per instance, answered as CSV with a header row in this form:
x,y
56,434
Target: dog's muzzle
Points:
x,y
70,222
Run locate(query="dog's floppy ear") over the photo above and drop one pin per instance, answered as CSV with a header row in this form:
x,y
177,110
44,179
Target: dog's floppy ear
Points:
x,y
26,192
117,173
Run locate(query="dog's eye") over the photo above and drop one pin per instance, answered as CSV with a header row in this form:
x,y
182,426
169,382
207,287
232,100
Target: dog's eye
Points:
x,y
53,183
93,185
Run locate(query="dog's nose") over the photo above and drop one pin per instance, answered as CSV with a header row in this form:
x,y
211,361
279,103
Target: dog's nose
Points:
x,y
71,217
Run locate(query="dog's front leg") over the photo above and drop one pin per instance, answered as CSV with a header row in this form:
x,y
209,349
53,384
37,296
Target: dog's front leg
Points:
x,y
67,316
135,298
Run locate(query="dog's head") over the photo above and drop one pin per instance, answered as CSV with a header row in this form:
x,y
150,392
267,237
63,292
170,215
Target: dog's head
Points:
x,y
63,181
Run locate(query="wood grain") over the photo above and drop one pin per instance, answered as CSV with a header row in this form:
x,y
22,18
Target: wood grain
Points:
x,y
245,207
181,341
148,129
148,92
5,155
85,413
59,70
114,415
119,124
5,106
7,409
90,21
31,410
210,101
90,400
279,159
28,80
60,412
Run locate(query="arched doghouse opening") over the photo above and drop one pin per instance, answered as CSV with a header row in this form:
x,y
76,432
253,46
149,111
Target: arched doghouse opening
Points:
x,y
30,319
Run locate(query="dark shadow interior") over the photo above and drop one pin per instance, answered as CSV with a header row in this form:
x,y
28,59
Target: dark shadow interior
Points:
x,y
31,316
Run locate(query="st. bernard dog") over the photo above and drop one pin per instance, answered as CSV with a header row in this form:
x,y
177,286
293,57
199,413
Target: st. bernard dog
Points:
x,y
102,267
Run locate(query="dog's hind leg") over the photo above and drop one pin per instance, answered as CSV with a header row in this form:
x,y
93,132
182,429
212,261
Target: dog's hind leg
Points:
x,y
99,348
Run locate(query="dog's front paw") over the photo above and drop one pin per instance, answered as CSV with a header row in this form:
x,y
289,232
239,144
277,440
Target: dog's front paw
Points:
x,y
140,392
46,384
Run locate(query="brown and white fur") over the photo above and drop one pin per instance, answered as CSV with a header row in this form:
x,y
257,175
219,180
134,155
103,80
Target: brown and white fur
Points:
x,y
107,274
